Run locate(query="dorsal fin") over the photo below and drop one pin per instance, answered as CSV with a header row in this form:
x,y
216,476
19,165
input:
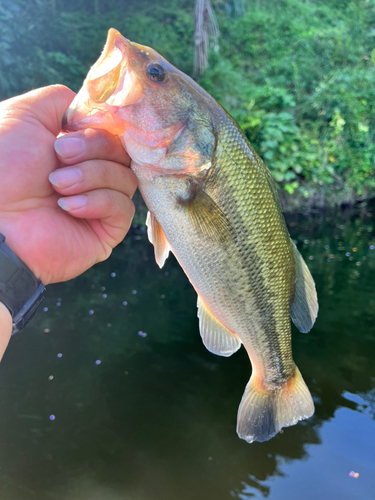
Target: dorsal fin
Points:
x,y
215,336
304,308
157,237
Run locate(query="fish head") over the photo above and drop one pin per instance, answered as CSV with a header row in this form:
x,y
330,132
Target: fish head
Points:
x,y
133,92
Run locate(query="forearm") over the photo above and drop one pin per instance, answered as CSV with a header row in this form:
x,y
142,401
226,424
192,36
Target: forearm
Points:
x,y
5,328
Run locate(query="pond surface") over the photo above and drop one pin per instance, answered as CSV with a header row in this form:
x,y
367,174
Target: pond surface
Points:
x,y
110,395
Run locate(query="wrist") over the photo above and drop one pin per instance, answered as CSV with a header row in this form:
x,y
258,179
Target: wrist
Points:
x,y
5,316
20,291
12,242
6,324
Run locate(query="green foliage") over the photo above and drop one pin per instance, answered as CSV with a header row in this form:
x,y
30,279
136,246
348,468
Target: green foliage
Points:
x,y
303,90
39,47
298,76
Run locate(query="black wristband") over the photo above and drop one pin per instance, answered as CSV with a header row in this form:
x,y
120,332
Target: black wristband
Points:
x,y
20,291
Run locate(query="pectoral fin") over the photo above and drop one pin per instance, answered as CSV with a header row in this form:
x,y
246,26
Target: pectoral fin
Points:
x,y
157,237
205,214
215,336
304,308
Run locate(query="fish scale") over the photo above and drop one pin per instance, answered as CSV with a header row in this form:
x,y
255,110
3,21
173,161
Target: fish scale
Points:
x,y
258,219
212,203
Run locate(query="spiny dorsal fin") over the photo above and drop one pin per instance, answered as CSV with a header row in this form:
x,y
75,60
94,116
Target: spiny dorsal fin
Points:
x,y
157,237
215,336
304,308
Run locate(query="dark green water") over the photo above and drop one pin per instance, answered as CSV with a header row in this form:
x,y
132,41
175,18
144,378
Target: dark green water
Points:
x,y
155,419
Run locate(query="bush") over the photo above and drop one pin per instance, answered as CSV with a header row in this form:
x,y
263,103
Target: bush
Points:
x,y
304,92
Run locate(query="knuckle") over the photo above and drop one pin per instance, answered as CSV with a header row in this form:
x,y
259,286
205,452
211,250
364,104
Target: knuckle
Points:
x,y
111,200
123,213
131,208
61,88
101,173
107,250
102,143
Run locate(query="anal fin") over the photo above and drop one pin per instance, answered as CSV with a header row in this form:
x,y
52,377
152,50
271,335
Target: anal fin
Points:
x,y
216,338
157,237
304,308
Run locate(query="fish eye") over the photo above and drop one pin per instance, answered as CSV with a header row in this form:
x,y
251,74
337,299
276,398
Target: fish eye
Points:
x,y
156,72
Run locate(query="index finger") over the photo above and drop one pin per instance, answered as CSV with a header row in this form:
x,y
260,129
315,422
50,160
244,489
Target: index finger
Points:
x,y
90,144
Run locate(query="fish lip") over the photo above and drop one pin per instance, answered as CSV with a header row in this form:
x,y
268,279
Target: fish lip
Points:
x,y
72,127
66,126
64,122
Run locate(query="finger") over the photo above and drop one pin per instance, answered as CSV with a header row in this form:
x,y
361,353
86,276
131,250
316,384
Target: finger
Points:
x,y
89,144
94,174
47,105
114,210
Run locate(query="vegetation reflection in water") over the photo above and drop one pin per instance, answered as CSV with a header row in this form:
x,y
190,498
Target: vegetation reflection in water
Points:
x,y
110,395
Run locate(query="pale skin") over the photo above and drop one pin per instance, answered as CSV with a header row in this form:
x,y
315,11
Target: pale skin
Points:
x,y
64,204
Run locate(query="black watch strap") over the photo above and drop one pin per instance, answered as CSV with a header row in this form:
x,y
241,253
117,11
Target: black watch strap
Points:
x,y
20,291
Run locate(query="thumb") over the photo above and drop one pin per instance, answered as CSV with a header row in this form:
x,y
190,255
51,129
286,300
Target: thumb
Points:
x,y
47,105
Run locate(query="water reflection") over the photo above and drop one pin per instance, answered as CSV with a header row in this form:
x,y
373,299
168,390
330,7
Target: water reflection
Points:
x,y
155,417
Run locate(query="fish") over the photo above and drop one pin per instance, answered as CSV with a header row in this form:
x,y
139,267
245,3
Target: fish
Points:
x,y
212,203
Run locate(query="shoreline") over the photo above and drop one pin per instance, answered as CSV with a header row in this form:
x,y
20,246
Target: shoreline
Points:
x,y
320,200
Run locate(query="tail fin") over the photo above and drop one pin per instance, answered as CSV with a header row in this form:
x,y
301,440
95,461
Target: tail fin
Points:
x,y
262,413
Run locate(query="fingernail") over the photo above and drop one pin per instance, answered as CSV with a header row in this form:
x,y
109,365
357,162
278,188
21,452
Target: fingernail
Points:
x,y
72,202
65,177
69,147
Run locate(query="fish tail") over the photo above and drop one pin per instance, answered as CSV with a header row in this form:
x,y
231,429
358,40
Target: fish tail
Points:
x,y
263,412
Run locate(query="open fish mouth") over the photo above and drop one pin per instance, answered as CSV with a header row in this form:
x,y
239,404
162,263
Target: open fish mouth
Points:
x,y
111,83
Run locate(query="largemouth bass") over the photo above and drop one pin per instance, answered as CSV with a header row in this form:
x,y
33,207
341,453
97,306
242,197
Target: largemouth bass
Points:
x,y
212,202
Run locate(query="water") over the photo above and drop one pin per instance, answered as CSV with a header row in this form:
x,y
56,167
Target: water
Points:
x,y
110,395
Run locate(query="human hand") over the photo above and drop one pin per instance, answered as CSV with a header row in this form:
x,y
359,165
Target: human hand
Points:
x,y
56,243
